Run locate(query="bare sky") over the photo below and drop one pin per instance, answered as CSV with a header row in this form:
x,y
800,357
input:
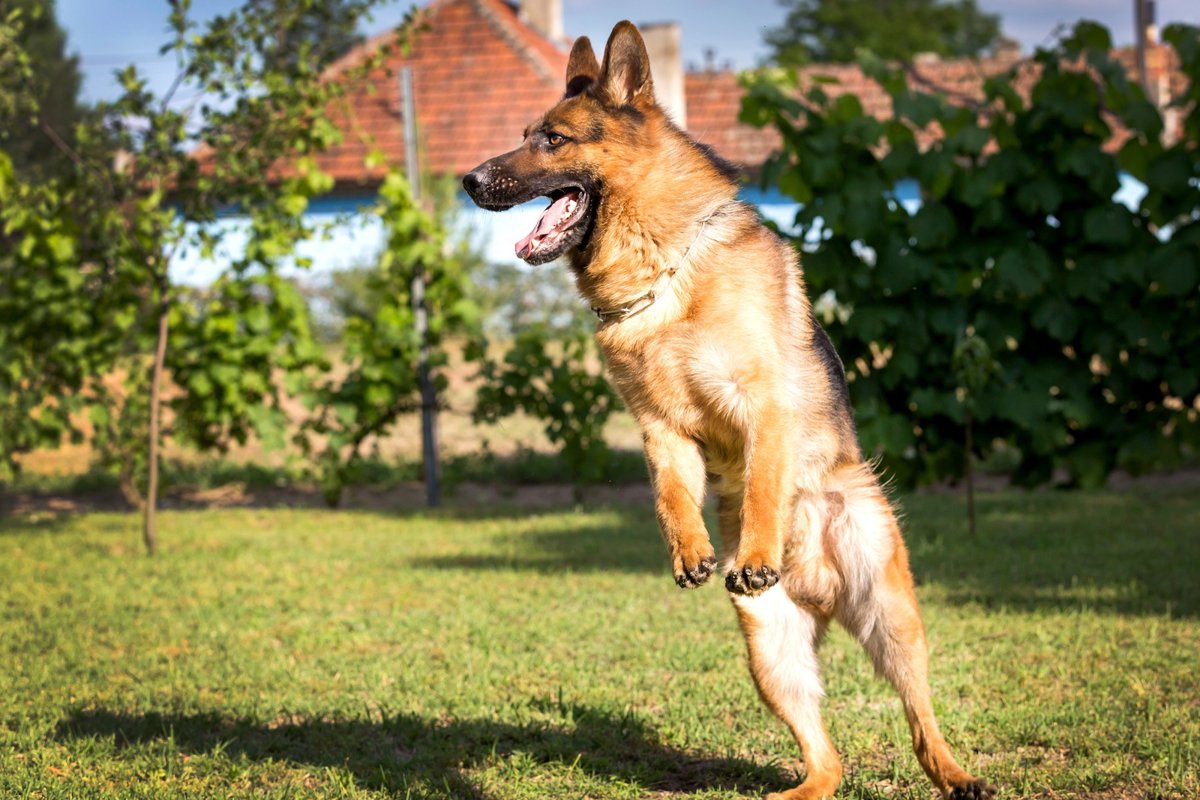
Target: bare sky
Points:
x,y
108,34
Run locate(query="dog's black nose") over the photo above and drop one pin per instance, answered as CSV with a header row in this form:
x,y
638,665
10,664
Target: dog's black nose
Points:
x,y
472,181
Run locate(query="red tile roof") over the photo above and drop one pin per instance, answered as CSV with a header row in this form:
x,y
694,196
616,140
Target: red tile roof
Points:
x,y
481,75
714,98
713,102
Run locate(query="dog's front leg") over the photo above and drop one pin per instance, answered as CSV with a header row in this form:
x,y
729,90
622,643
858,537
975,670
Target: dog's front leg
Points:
x,y
678,473
768,475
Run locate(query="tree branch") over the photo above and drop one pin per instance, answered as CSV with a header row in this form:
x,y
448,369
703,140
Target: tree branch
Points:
x,y
53,135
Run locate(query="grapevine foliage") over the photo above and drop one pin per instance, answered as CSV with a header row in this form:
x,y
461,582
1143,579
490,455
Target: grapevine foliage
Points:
x,y
1085,308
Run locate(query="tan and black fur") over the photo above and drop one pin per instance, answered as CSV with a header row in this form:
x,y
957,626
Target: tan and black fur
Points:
x,y
732,380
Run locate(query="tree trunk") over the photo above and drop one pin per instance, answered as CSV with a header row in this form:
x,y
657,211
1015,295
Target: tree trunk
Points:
x,y
149,534
129,490
127,477
970,476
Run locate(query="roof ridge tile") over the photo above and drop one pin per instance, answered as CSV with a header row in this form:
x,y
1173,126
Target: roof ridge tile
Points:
x,y
512,38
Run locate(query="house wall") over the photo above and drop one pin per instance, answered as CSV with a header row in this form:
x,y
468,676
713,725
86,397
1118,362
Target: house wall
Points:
x,y
356,238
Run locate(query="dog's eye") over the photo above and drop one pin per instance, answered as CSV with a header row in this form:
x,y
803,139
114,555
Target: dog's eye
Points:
x,y
555,139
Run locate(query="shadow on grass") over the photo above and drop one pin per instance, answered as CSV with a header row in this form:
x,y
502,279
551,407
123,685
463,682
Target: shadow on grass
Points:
x,y
1129,553
613,540
28,524
1115,552
421,758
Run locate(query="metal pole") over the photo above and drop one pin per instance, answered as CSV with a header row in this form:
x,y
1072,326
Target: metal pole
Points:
x,y
429,454
1140,22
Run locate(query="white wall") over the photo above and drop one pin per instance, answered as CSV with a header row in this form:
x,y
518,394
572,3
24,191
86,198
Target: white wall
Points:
x,y
359,237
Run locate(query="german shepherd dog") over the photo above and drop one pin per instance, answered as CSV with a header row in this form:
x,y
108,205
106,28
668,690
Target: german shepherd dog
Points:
x,y
711,341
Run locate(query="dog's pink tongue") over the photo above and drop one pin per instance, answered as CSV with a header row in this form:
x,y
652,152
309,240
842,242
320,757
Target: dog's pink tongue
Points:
x,y
550,217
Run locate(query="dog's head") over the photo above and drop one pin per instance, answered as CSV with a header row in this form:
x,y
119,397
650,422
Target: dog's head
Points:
x,y
571,153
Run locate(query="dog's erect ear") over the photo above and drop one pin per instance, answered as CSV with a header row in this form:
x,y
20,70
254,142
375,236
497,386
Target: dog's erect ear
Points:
x,y
582,68
625,75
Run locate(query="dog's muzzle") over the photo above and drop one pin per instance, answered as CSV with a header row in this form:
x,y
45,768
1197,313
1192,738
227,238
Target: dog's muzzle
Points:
x,y
486,186
473,181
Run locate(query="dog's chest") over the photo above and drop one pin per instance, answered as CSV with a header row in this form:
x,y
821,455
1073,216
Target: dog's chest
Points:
x,y
691,384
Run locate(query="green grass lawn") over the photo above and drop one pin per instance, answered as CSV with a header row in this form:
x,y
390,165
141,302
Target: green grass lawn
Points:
x,y
277,653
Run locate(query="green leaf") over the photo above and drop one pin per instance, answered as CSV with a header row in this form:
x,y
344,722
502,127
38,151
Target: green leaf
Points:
x,y
1089,464
1024,269
61,247
933,225
792,184
1057,317
845,108
1176,270
1183,380
99,416
918,107
1108,225
346,413
199,384
1088,35
1041,195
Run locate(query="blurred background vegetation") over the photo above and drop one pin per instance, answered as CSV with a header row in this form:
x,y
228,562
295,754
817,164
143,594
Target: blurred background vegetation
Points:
x,y
1020,319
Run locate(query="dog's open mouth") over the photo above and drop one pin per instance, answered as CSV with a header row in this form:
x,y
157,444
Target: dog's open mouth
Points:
x,y
558,228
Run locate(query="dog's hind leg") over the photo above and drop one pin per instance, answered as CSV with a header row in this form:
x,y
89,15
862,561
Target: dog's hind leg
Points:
x,y
878,606
781,638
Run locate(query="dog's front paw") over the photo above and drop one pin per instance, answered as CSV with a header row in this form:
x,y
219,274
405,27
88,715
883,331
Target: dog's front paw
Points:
x,y
751,578
973,789
694,569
